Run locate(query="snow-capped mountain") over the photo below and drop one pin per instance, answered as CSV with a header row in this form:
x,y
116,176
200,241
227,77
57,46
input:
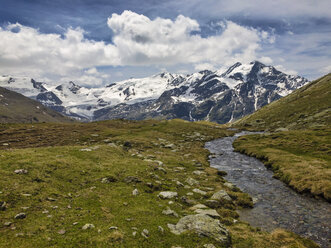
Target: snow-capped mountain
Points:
x,y
220,96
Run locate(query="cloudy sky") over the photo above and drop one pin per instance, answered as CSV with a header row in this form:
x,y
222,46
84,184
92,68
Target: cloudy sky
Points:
x,y
95,42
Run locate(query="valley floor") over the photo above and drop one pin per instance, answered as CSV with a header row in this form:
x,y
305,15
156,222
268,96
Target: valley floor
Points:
x,y
57,178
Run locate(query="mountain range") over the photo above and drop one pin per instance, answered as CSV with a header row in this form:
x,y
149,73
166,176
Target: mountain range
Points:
x,y
221,96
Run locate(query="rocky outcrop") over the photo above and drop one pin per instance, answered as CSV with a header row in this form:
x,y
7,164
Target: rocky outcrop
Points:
x,y
203,225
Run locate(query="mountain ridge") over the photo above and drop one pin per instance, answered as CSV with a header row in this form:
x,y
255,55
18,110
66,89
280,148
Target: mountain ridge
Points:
x,y
221,96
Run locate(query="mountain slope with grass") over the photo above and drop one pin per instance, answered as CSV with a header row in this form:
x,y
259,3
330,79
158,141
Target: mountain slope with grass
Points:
x,y
299,152
99,185
16,108
307,107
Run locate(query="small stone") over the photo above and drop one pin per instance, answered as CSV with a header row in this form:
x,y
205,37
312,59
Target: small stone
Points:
x,y
20,216
25,208
61,232
75,223
134,233
21,171
145,233
88,226
99,230
221,195
135,192
229,185
199,173
108,179
210,212
160,228
50,199
113,228
3,205
85,150
45,212
168,211
8,223
49,216
199,191
26,195
5,144
209,246
198,206
167,194
189,194
19,234
191,181
178,183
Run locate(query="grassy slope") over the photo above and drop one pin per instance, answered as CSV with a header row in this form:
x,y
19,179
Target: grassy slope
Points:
x,y
300,156
73,178
16,108
307,107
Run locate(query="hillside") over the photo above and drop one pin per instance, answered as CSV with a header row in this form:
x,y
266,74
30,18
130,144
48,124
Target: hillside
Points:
x,y
307,107
299,152
99,185
16,108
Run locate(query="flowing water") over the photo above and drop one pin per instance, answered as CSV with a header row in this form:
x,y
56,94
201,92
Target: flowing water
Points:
x,y
276,205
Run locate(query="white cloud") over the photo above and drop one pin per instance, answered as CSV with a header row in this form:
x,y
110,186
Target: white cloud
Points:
x,y
326,69
137,41
283,69
205,66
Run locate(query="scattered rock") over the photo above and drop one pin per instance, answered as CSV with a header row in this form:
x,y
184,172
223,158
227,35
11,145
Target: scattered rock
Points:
x,y
127,144
160,228
135,192
75,223
8,223
50,199
209,246
191,181
3,205
113,228
88,226
19,234
134,234
199,173
199,191
204,226
281,129
45,212
109,179
178,183
168,211
210,212
187,201
145,233
222,173
85,150
21,171
167,194
198,206
230,186
221,195
61,232
20,216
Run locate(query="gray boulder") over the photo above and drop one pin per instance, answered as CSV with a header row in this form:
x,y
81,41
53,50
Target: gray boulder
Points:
x,y
221,195
204,226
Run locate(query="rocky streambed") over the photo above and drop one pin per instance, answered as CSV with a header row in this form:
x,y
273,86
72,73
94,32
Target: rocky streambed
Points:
x,y
275,204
